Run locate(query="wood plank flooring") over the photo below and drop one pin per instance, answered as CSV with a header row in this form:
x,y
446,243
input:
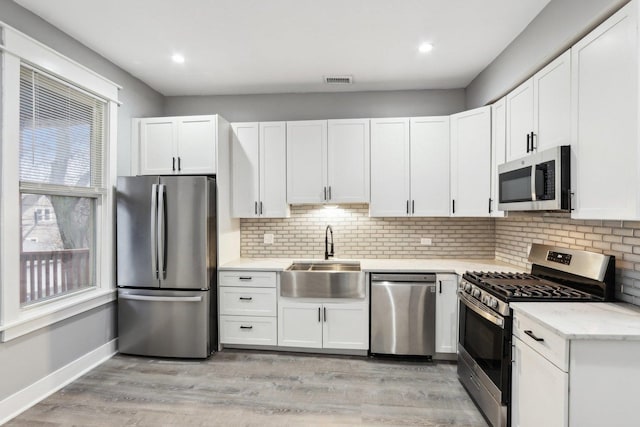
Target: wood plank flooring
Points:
x,y
251,388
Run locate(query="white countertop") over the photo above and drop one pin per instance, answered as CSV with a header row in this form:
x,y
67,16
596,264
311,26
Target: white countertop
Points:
x,y
458,266
580,320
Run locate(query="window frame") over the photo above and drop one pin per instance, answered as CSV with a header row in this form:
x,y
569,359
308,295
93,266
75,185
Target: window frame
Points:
x,y
17,320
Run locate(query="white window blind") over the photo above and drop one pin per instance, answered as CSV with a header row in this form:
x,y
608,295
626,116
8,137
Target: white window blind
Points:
x,y
62,132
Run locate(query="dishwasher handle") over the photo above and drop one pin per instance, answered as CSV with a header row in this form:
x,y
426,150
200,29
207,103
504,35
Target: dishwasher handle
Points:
x,y
408,278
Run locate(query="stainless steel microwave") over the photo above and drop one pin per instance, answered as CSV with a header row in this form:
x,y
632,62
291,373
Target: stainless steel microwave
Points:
x,y
539,181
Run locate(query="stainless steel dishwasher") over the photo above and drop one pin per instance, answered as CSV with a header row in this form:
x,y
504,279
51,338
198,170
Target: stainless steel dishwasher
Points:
x,y
403,314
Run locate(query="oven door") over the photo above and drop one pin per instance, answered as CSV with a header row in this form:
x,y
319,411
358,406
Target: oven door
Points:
x,y
484,358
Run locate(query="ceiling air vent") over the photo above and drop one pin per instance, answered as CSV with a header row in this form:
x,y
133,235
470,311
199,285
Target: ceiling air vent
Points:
x,y
338,80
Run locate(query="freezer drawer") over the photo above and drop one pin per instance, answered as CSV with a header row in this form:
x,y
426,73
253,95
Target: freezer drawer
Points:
x,y
164,323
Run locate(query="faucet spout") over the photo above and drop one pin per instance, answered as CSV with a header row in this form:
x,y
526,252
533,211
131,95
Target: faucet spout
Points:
x,y
328,253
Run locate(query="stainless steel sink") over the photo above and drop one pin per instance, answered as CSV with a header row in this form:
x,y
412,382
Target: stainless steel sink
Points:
x,y
323,280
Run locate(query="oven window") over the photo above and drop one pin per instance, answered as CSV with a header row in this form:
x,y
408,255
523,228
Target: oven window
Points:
x,y
484,342
515,186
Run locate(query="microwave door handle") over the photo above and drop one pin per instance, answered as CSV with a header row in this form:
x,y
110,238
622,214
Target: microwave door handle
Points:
x,y
533,182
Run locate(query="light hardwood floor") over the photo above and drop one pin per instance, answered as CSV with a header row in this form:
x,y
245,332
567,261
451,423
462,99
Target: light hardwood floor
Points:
x,y
250,388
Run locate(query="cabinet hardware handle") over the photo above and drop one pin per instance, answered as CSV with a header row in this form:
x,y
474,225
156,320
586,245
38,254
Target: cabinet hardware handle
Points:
x,y
325,315
571,194
319,319
533,147
440,286
260,208
490,204
329,192
407,207
173,167
179,168
246,327
245,277
528,143
246,298
255,207
530,333
454,205
325,193
413,206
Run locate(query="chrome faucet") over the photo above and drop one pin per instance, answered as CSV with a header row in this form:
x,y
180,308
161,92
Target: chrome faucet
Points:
x,y
328,254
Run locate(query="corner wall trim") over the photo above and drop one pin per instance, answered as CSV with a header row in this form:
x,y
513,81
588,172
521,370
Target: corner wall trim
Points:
x,y
22,400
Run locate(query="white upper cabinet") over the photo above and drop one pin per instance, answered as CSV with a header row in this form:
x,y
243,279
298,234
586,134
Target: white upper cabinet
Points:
x,y
178,145
245,174
471,162
390,167
429,149
538,112
498,150
273,170
410,167
605,164
258,156
328,161
307,161
348,161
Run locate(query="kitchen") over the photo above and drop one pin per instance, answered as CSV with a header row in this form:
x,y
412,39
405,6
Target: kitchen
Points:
x,y
357,234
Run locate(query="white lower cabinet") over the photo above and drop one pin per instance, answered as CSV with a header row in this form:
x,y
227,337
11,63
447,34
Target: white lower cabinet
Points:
x,y
323,325
447,313
248,308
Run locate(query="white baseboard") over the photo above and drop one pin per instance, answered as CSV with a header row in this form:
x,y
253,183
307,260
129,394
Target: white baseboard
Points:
x,y
19,402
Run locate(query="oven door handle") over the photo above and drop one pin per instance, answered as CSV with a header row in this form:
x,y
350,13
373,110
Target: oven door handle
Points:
x,y
480,310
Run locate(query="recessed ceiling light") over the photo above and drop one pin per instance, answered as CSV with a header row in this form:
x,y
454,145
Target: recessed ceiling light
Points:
x,y
177,58
425,47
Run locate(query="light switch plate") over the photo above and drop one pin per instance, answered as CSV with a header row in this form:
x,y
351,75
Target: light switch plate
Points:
x,y
268,238
425,241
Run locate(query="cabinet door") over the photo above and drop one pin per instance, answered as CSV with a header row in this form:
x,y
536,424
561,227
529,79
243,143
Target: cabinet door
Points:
x,y
197,145
348,161
605,119
430,166
539,392
471,162
345,326
519,119
273,170
244,170
552,104
299,324
158,146
498,150
390,171
307,161
447,313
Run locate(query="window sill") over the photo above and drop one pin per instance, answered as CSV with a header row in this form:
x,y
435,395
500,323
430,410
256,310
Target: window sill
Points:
x,y
40,316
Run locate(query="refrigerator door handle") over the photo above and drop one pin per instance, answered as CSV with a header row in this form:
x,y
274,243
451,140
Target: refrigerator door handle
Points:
x,y
162,238
162,299
154,230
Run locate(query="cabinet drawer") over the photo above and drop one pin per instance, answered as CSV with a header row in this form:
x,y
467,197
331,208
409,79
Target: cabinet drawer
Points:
x,y
248,301
549,344
248,330
255,279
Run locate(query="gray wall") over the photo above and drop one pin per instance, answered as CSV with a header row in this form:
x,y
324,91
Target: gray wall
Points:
x,y
309,106
32,357
560,24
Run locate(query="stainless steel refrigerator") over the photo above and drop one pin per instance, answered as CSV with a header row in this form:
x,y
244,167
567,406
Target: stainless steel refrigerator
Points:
x,y
166,271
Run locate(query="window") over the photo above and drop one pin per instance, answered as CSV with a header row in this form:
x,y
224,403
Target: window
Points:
x,y
61,169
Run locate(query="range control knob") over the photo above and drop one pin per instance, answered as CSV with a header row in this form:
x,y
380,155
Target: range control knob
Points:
x,y
485,300
493,303
476,293
467,288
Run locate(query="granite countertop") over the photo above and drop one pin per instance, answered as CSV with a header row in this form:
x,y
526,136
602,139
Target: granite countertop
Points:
x,y
584,321
458,266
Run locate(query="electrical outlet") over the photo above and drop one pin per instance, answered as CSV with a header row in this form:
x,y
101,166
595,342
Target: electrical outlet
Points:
x,y
425,241
268,238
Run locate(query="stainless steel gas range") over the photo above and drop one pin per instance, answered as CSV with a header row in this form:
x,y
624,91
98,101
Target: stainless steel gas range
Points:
x,y
485,349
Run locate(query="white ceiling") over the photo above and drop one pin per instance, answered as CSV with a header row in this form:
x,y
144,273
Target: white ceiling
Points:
x,y
275,46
